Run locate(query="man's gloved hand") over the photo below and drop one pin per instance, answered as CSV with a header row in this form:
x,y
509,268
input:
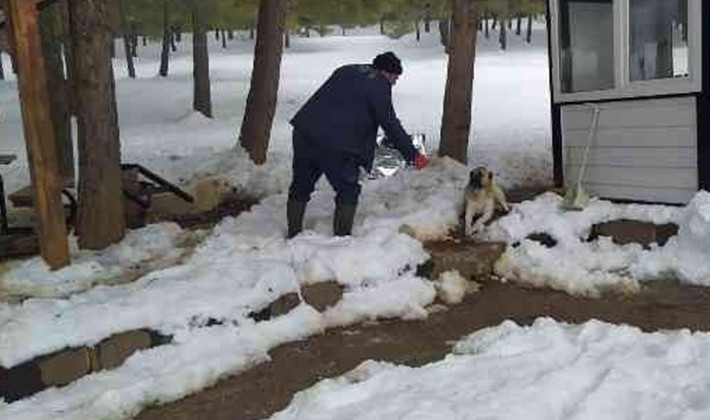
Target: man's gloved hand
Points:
x,y
420,161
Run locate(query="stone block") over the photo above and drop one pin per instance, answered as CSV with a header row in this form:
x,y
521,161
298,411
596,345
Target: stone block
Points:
x,y
321,296
284,304
473,260
65,366
113,351
625,232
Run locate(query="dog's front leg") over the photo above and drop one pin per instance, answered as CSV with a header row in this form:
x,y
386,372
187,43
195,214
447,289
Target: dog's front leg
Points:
x,y
468,218
488,209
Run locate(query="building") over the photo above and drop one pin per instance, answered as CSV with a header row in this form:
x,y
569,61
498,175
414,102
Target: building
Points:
x,y
645,65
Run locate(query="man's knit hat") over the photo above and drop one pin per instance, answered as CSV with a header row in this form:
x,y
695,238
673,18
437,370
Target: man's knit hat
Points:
x,y
388,62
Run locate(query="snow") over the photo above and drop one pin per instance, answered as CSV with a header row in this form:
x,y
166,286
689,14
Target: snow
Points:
x,y
545,371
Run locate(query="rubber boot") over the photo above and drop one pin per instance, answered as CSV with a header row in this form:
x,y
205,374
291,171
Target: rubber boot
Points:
x,y
294,217
343,219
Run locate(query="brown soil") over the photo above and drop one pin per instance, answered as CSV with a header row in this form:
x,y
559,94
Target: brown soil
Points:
x,y
269,387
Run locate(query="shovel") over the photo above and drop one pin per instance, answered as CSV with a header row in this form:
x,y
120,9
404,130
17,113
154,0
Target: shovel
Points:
x,y
576,198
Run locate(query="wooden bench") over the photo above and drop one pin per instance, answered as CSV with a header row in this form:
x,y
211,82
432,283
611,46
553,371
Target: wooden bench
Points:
x,y
139,185
4,160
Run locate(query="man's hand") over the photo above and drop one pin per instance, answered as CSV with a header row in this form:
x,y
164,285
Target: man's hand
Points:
x,y
420,161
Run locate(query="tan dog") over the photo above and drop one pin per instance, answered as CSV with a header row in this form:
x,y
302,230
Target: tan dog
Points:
x,y
480,198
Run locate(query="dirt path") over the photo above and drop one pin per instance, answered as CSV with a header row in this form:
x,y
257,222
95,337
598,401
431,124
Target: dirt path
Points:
x,y
269,387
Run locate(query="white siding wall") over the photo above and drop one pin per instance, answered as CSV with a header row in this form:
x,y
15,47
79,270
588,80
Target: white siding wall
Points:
x,y
644,150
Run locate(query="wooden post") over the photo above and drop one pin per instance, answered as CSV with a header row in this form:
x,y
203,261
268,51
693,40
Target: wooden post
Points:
x,y
39,136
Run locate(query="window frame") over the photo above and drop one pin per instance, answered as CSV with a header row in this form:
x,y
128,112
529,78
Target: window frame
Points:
x,y
624,87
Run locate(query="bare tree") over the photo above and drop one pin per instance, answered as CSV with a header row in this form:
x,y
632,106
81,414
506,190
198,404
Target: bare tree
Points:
x,y
165,51
261,100
127,42
202,100
456,120
101,220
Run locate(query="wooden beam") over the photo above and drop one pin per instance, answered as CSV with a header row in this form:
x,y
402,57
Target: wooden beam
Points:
x,y
39,138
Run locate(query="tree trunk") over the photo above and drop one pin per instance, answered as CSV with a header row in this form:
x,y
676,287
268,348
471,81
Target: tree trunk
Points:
x,y
2,69
382,25
178,33
342,30
528,32
50,27
230,34
287,39
101,221
487,31
418,30
518,25
127,42
495,23
216,34
165,52
202,100
456,120
145,40
427,19
173,45
134,40
444,33
251,32
503,36
63,11
261,101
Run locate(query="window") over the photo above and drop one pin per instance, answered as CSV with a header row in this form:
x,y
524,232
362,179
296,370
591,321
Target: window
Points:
x,y
607,49
658,33
587,45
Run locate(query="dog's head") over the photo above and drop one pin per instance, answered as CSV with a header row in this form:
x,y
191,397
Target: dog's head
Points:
x,y
480,177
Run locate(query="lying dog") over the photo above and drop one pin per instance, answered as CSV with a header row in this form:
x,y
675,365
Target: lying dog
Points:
x,y
480,198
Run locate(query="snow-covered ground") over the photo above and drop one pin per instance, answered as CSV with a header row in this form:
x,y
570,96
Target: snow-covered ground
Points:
x,y
548,371
245,263
511,120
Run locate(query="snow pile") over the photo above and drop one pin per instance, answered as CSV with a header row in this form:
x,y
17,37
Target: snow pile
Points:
x,y
588,268
685,256
546,371
452,287
153,245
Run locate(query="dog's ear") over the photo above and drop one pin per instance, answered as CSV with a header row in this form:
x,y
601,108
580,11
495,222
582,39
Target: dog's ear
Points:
x,y
475,178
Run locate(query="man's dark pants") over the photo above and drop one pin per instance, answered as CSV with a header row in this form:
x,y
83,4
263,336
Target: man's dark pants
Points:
x,y
342,170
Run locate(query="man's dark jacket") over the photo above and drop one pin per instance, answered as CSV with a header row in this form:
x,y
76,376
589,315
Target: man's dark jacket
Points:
x,y
345,113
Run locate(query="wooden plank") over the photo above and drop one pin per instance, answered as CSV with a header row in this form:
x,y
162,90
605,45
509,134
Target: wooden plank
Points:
x,y
648,194
36,118
635,157
636,177
672,112
634,137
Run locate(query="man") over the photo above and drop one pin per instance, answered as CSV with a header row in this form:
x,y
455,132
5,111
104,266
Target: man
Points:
x,y
335,133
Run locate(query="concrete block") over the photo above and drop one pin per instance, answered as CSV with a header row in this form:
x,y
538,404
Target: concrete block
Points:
x,y
65,366
113,351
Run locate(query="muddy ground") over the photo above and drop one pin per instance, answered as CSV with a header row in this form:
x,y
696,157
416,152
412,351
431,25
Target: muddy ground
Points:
x,y
269,387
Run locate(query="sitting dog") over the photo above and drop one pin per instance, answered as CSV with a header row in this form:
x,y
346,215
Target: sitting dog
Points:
x,y
480,198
